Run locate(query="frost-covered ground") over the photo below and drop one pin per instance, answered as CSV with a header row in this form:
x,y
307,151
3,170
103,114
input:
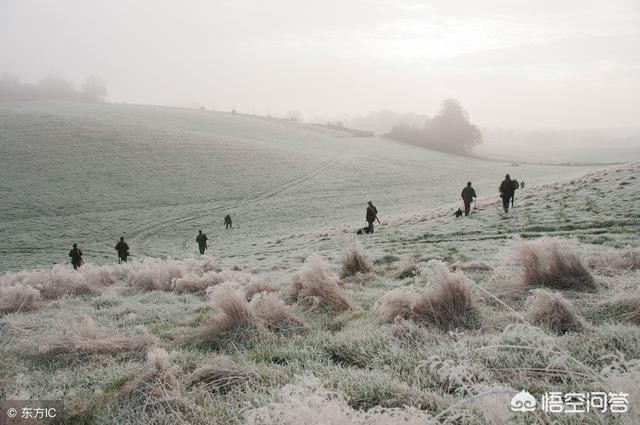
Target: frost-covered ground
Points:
x,y
449,319
92,173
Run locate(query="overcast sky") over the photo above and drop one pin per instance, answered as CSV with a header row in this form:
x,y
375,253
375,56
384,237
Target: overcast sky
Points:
x,y
511,63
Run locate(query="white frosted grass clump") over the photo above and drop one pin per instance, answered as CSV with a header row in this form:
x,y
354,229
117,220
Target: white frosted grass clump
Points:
x,y
221,374
615,260
308,402
316,285
18,297
196,284
395,304
155,395
85,338
153,274
553,263
554,312
275,314
259,286
234,317
353,259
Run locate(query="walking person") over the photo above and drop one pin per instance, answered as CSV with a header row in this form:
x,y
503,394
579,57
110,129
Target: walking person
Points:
x,y
227,222
76,257
468,193
506,192
123,250
202,241
372,215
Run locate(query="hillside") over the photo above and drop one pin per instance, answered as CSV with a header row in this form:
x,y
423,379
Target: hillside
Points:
x,y
447,320
98,178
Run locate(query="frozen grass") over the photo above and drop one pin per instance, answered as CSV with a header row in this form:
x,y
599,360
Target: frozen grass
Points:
x,y
234,318
197,284
86,339
616,260
554,312
156,394
221,375
353,259
275,314
258,286
244,359
18,297
554,264
308,402
447,303
316,285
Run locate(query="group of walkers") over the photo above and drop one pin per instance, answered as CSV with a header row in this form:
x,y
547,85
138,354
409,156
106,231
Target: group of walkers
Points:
x,y
123,248
507,190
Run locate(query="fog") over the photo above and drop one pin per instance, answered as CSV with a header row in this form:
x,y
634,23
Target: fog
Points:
x,y
573,64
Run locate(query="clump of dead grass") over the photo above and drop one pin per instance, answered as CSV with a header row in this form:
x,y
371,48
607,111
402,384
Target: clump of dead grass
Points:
x,y
18,297
553,264
447,303
258,286
196,284
234,318
616,260
554,312
86,339
156,391
353,259
275,314
316,285
221,374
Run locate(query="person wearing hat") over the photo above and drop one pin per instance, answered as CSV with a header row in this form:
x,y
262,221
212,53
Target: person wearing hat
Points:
x,y
201,239
123,250
76,256
372,215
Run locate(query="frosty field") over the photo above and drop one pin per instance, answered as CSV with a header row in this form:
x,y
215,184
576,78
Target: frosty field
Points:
x,y
290,317
92,173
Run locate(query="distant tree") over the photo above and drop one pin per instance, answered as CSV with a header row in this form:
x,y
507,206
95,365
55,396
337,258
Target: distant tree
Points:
x,y
449,131
56,88
452,128
295,115
94,89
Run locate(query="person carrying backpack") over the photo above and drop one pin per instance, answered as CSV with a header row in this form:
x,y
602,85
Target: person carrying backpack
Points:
x,y
506,192
227,222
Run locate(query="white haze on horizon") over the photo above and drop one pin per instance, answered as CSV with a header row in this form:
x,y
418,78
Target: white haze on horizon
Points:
x,y
512,64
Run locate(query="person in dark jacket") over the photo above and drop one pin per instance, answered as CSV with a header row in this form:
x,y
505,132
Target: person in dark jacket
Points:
x,y
506,192
202,241
227,222
76,257
372,215
123,250
468,193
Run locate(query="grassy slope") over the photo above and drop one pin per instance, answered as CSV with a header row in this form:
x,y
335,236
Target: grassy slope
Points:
x,y
351,352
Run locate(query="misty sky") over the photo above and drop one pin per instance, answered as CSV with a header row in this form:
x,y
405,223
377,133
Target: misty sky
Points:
x,y
511,63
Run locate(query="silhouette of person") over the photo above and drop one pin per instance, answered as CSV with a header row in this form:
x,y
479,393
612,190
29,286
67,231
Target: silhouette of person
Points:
x,y
227,222
372,215
202,241
123,250
468,193
76,256
506,192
